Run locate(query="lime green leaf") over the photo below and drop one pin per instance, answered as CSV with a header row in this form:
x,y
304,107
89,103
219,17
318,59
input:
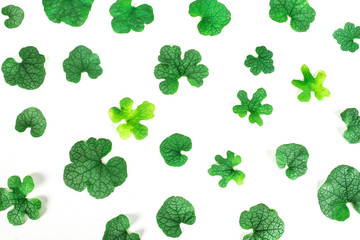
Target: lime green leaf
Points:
x,y
80,60
345,37
116,229
127,17
214,16
311,84
352,120
88,171
29,74
172,68
17,198
295,156
145,111
265,222
262,63
300,12
31,118
16,16
225,169
253,106
171,148
340,188
174,211
71,12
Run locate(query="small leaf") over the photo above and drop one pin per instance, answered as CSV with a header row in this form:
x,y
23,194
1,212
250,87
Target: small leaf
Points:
x,y
345,37
116,229
341,187
172,68
31,118
80,60
300,12
264,221
214,16
29,74
16,16
295,156
17,198
263,63
88,171
145,111
71,12
352,120
171,148
127,17
174,211
253,106
225,169
311,84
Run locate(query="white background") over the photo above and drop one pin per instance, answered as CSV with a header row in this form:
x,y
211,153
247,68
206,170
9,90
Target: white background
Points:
x,y
78,111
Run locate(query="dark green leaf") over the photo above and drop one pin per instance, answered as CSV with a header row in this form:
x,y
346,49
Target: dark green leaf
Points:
x,y
116,229
29,74
174,211
17,198
16,16
352,120
171,148
88,171
31,118
340,188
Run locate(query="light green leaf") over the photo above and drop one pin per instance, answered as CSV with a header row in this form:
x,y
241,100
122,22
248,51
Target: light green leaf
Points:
x,y
311,84
145,111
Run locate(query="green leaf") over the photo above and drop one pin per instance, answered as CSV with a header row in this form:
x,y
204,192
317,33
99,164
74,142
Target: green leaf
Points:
x,y
17,198
263,63
127,17
311,84
174,211
253,106
300,12
225,169
172,68
71,12
80,60
295,156
145,111
88,171
214,16
29,74
31,118
171,148
116,229
16,16
265,222
341,187
352,120
345,37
